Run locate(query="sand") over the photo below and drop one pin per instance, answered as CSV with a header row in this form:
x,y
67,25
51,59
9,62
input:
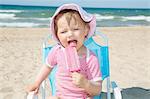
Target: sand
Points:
x,y
21,59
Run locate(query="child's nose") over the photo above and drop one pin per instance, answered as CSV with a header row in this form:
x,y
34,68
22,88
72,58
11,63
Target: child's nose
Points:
x,y
70,34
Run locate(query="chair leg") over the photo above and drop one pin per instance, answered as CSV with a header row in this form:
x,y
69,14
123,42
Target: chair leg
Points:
x,y
108,88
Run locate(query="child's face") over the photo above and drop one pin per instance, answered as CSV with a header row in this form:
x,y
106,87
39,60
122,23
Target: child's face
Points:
x,y
75,31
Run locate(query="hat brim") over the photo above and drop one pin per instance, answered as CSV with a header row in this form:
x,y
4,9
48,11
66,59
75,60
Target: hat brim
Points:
x,y
87,17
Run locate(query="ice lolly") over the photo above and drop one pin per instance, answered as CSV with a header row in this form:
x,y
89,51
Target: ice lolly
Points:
x,y
72,58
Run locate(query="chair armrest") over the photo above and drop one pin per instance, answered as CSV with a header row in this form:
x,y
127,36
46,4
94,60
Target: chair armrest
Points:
x,y
43,89
116,91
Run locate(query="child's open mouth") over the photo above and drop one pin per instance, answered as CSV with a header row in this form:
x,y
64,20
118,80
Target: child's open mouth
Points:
x,y
72,43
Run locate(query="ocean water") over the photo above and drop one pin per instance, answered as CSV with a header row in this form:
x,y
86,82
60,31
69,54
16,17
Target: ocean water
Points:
x,y
37,16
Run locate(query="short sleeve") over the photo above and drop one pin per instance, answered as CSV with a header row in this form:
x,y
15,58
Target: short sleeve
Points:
x,y
94,72
51,59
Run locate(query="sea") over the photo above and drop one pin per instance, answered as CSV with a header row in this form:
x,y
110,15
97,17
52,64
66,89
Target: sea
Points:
x,y
40,16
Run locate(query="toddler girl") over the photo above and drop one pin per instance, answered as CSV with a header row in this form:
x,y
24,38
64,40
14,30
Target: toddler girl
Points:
x,y
71,25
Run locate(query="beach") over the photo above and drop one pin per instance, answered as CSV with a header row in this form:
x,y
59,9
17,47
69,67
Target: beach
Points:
x,y
21,59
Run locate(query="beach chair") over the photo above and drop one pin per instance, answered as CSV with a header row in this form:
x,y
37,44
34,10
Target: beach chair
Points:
x,y
101,50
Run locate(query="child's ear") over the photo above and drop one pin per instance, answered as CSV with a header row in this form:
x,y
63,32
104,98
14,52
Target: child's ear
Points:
x,y
87,28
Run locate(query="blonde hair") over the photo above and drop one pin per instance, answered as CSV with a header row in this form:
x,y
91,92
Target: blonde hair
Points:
x,y
69,15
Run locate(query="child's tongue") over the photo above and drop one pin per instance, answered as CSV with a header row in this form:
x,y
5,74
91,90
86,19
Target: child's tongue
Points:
x,y
73,44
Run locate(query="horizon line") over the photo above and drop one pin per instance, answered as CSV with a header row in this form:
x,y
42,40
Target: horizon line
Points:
x,y
82,6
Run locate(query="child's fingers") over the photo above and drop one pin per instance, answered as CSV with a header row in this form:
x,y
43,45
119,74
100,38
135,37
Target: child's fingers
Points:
x,y
36,91
79,80
75,74
76,78
30,88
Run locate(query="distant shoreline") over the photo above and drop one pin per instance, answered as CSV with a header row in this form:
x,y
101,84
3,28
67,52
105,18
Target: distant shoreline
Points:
x,y
96,27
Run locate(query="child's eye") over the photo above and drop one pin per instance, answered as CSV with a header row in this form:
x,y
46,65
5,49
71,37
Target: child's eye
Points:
x,y
76,29
63,32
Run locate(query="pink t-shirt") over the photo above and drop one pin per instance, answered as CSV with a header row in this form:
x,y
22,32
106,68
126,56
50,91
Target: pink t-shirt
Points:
x,y
64,86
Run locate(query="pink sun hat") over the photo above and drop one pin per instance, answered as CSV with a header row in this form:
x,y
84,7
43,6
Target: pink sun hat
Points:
x,y
87,17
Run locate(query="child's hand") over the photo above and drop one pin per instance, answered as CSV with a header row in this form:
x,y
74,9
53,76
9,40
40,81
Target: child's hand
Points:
x,y
79,79
33,87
